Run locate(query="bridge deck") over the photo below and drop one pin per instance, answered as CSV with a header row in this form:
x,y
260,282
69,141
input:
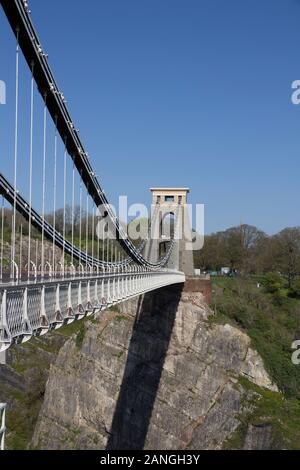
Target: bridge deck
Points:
x,y
33,309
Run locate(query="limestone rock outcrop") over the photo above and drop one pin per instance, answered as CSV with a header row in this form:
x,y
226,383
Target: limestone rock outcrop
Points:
x,y
156,374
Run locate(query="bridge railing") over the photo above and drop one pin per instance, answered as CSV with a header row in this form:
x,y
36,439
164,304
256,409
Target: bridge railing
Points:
x,y
28,310
2,425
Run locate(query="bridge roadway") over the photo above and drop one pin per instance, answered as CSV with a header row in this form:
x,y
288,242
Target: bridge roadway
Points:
x,y
32,309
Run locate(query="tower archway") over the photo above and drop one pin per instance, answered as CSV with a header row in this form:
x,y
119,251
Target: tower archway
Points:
x,y
172,214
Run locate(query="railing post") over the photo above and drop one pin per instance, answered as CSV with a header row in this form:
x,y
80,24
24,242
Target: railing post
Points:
x,y
81,269
96,293
79,294
108,291
89,305
72,270
102,288
2,425
69,306
114,288
129,282
118,284
5,336
121,287
125,286
14,269
58,315
27,330
44,325
122,283
80,310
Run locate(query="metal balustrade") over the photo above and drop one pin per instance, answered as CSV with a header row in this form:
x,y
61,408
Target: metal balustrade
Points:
x,y
32,310
2,425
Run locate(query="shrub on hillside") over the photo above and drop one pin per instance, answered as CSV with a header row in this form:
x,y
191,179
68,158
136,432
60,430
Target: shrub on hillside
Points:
x,y
273,283
295,288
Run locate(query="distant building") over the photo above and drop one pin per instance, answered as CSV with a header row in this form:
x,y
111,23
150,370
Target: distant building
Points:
x,y
225,271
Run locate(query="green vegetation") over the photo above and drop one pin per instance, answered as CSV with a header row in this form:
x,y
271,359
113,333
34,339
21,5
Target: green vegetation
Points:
x,y
295,287
271,325
249,251
273,283
21,422
114,308
121,318
32,360
119,354
70,329
80,335
271,409
270,315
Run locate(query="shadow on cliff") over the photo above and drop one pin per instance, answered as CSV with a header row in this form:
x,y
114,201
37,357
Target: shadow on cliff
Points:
x,y
148,347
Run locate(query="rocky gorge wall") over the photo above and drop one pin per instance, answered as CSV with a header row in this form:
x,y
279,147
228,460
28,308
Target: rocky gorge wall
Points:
x,y
155,374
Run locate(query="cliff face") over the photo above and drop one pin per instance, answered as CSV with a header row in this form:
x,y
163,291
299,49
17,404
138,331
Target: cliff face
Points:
x,y
157,374
22,386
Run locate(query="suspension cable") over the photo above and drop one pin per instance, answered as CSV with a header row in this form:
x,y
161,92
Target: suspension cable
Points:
x,y
87,228
13,249
30,171
2,239
73,209
44,185
80,216
107,245
93,228
103,245
36,252
21,250
98,238
54,194
64,209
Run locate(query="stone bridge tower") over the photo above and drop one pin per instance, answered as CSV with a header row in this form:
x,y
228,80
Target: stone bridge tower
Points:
x,y
169,205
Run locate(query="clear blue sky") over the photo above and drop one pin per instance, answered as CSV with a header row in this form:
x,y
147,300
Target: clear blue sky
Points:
x,y
178,93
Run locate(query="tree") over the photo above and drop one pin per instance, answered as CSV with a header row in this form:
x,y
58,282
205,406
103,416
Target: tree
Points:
x,y
273,282
249,250
237,247
253,242
295,288
242,245
288,252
